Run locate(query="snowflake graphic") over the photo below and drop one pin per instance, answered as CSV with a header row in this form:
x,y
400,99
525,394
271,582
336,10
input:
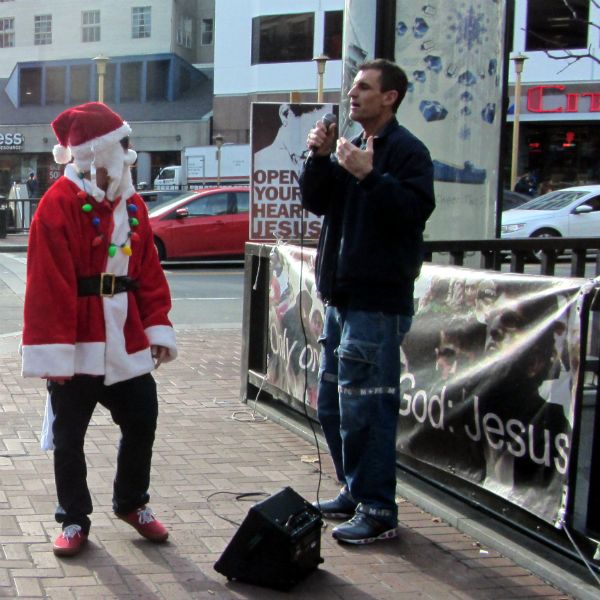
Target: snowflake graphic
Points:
x,y
468,26
464,133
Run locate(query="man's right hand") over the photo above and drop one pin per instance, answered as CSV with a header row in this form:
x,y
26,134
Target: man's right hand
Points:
x,y
320,139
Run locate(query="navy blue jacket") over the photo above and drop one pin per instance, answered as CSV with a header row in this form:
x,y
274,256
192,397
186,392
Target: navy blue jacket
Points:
x,y
370,248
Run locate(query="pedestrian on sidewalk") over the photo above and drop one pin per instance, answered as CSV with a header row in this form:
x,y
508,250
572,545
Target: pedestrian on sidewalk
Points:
x,y
32,186
375,195
95,322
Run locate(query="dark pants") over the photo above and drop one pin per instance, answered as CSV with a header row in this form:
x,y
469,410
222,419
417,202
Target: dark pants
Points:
x,y
133,406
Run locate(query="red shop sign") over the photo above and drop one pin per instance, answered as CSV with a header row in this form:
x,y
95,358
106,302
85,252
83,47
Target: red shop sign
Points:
x,y
535,100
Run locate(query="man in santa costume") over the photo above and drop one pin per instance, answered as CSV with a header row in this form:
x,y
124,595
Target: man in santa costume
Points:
x,y
95,322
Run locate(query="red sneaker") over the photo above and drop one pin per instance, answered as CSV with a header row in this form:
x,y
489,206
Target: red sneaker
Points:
x,y
70,541
146,524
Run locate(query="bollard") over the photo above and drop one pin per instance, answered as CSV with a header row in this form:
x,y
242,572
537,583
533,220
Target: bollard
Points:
x,y
3,221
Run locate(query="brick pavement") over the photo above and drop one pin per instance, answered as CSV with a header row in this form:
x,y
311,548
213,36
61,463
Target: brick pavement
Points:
x,y
200,450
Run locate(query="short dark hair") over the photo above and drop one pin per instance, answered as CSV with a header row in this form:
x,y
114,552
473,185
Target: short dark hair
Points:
x,y
392,77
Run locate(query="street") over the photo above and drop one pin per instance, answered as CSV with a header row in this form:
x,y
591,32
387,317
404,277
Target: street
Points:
x,y
204,296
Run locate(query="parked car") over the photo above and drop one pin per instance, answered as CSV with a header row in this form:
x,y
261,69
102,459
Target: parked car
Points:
x,y
570,212
513,199
212,223
154,198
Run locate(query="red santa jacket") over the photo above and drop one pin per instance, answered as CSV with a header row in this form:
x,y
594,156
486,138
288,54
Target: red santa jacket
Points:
x,y
66,334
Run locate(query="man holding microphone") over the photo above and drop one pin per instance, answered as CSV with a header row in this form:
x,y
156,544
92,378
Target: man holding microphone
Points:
x,y
375,194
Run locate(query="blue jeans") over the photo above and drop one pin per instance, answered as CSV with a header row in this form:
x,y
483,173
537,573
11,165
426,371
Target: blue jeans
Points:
x,y
358,402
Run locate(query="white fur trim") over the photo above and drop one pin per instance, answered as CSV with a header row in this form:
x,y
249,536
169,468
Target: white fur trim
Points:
x,y
62,154
48,360
89,358
108,138
163,335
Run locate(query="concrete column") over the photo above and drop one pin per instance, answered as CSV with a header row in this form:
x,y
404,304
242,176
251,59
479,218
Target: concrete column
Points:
x,y
144,162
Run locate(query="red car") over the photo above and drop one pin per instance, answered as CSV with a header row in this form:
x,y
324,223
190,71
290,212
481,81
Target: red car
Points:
x,y
211,223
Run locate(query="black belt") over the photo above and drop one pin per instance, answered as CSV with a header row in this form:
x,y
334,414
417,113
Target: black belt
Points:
x,y
105,284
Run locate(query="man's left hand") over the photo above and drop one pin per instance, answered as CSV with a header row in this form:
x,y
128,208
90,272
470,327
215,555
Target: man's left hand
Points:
x,y
356,161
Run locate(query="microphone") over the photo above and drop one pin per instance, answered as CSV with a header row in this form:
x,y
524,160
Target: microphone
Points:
x,y
328,120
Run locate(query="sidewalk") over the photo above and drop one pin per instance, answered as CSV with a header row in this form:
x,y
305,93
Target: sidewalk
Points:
x,y
208,442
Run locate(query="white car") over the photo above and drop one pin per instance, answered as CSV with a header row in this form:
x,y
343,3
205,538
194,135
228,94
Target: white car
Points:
x,y
570,212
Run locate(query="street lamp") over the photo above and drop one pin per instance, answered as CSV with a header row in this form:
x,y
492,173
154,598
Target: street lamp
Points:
x,y
219,139
519,59
321,60
101,61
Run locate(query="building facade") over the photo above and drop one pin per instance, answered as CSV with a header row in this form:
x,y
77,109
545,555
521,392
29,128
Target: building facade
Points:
x,y
158,77
559,141
181,71
264,52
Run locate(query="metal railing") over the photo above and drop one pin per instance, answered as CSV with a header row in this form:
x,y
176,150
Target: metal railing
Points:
x,y
541,254
19,213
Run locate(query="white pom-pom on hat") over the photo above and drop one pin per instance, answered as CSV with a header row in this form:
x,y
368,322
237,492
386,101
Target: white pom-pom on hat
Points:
x,y
62,154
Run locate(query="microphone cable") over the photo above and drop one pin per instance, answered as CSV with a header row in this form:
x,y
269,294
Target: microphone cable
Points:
x,y
328,119
305,368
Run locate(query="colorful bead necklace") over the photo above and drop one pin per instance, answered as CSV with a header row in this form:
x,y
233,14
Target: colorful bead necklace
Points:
x,y
132,236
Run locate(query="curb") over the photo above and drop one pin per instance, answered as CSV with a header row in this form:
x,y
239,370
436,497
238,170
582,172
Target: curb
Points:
x,y
9,248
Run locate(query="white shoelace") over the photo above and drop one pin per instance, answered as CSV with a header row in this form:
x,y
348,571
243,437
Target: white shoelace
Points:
x,y
145,515
71,531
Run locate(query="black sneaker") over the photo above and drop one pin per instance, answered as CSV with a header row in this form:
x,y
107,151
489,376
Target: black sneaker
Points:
x,y
340,507
363,529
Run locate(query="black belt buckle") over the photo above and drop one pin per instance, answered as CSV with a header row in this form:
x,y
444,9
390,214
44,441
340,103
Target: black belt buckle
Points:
x,y
110,279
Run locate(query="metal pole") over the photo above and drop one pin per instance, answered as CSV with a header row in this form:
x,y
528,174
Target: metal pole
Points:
x,y
519,60
101,61
219,139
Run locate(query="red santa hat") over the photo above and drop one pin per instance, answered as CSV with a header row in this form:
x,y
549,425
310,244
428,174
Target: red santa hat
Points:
x,y
83,130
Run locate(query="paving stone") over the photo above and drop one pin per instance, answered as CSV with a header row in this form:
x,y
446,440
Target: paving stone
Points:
x,y
208,450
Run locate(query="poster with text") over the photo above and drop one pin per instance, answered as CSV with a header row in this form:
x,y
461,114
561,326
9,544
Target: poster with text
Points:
x,y
295,323
489,377
279,150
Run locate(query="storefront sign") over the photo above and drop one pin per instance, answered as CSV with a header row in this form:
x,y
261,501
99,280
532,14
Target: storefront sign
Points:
x,y
11,141
556,99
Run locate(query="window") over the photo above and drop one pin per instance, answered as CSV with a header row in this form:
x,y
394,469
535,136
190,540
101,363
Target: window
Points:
x,y
242,202
141,22
131,76
80,83
282,38
55,85
206,34
157,76
7,32
42,30
30,86
185,79
551,25
216,204
334,27
184,32
90,26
